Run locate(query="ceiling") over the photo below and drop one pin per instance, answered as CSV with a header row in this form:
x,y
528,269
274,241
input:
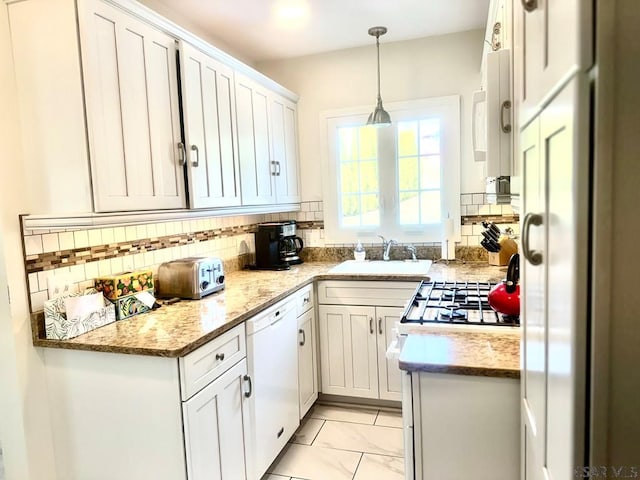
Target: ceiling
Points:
x,y
274,29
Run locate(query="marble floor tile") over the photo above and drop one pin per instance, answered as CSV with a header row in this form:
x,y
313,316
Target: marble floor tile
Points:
x,y
307,431
316,463
389,419
361,438
344,414
380,467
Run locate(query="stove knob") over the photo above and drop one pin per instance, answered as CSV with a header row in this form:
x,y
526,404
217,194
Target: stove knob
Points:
x,y
220,279
204,285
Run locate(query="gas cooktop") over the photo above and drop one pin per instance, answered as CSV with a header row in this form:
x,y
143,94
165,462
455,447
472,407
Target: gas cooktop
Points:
x,y
463,303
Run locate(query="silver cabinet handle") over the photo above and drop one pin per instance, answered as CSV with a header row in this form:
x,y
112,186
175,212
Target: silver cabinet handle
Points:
x,y
529,5
194,148
506,105
273,172
182,154
304,337
534,257
305,300
278,165
380,325
247,378
370,324
220,356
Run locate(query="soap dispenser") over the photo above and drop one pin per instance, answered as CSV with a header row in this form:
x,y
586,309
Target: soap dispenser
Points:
x,y
359,253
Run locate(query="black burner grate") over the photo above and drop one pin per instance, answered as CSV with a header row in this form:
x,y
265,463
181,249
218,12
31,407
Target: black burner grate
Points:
x,y
454,302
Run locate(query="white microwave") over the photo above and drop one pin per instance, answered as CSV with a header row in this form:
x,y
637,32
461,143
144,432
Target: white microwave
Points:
x,y
491,121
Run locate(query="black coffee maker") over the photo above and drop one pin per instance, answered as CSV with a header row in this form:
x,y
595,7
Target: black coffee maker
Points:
x,y
277,246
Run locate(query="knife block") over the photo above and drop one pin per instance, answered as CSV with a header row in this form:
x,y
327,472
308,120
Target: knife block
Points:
x,y
507,248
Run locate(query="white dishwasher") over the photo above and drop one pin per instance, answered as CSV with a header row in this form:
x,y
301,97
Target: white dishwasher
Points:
x,y
272,354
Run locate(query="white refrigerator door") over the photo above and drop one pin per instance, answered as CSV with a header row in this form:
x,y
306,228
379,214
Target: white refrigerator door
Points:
x,y
555,314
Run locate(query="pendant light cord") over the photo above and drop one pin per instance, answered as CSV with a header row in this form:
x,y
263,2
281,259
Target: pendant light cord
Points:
x,y
378,49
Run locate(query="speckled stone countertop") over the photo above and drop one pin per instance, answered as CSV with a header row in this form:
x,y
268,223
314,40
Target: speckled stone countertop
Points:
x,y
491,354
175,330
479,352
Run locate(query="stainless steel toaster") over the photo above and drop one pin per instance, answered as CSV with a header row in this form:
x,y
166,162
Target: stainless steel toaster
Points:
x,y
193,277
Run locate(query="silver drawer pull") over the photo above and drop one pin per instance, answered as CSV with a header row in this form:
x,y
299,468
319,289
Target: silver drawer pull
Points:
x,y
182,154
506,127
247,378
534,257
304,337
370,324
194,148
220,356
380,325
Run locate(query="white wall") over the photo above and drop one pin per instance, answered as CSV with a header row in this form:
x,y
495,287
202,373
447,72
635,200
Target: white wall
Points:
x,y
427,67
164,8
25,432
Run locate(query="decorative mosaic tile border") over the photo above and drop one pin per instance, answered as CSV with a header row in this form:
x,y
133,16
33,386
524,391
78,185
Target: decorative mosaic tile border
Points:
x,y
78,256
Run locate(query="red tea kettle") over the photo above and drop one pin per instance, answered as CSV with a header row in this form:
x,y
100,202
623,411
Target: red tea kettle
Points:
x,y
504,298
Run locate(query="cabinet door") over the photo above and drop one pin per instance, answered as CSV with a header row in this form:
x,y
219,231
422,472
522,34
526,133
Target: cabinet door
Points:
x,y
307,366
388,371
555,297
534,321
131,90
210,134
256,171
348,351
215,420
564,132
284,146
556,36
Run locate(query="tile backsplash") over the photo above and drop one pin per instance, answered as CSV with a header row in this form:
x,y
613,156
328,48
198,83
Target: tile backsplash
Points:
x,y
81,255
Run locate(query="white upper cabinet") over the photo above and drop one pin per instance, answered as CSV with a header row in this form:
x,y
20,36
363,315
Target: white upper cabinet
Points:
x,y
133,116
100,110
267,144
284,149
210,131
256,170
558,39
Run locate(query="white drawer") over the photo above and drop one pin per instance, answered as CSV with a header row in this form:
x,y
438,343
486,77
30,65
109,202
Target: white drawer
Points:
x,y
305,299
350,292
202,366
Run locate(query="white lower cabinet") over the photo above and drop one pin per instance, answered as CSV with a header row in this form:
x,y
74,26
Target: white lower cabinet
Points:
x,y
461,426
119,416
354,341
354,338
307,363
215,426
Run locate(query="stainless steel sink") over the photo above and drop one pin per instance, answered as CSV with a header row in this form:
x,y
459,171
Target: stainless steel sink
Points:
x,y
378,267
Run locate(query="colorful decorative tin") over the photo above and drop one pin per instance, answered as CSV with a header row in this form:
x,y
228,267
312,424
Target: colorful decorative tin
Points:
x,y
123,284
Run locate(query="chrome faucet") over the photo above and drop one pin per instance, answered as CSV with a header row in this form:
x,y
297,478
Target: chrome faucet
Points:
x,y
412,250
386,247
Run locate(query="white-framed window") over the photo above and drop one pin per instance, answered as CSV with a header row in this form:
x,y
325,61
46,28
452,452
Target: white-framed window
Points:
x,y
400,181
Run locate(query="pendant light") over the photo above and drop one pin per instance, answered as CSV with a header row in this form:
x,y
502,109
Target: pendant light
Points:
x,y
379,117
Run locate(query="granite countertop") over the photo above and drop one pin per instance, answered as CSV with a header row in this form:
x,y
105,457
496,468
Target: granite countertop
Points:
x,y
478,353
177,329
